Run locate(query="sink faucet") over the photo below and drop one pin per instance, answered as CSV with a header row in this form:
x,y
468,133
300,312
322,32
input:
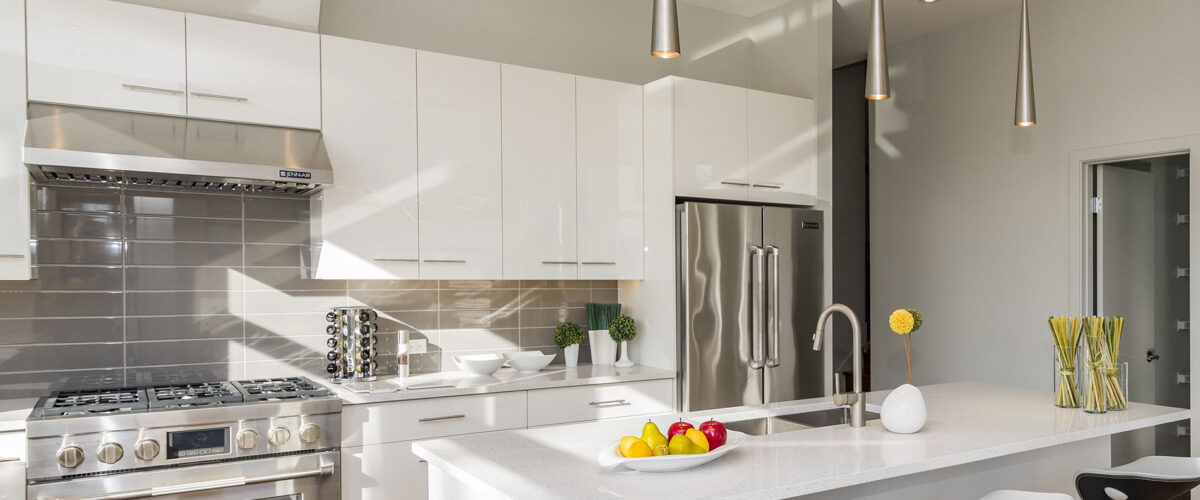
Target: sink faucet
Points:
x,y
855,400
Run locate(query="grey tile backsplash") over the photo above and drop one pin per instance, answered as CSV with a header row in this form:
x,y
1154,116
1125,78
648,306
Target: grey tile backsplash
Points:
x,y
139,286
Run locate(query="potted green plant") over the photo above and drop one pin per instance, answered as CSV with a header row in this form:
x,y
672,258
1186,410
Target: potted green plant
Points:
x,y
568,336
622,329
604,350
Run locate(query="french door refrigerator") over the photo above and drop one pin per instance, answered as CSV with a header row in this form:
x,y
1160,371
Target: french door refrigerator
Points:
x,y
749,295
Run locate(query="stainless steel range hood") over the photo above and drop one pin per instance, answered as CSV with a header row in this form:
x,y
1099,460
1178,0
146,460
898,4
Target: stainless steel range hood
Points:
x,y
84,145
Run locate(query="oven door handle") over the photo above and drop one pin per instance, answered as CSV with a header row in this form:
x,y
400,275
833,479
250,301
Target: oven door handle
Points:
x,y
324,470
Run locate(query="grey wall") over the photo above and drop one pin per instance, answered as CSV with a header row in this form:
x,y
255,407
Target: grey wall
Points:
x,y
850,200
138,286
969,215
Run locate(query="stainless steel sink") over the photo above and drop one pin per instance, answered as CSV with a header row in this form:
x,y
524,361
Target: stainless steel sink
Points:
x,y
795,421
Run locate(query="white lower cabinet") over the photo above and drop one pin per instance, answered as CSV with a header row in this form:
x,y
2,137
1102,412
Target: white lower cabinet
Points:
x,y
594,402
385,471
432,418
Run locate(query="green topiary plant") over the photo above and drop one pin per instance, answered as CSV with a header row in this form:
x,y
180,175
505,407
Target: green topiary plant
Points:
x,y
622,328
568,334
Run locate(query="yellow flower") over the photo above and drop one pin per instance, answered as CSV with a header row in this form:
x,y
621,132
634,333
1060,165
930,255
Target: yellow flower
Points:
x,y
901,321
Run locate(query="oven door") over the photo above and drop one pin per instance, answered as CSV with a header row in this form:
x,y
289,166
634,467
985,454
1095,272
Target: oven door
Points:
x,y
314,476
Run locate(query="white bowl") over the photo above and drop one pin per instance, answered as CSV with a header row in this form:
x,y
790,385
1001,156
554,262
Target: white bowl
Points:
x,y
610,457
528,361
479,364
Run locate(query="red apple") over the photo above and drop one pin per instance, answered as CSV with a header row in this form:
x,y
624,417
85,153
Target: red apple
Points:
x,y
678,429
715,432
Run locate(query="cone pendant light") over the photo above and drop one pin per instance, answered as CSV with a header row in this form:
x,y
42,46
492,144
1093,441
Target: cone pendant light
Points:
x,y
1026,115
664,37
878,86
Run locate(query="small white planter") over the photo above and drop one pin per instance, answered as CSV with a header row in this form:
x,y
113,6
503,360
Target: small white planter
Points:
x,y
624,362
571,355
604,348
903,411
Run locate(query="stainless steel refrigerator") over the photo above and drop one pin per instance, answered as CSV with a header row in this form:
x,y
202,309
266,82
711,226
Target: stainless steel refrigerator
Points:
x,y
749,296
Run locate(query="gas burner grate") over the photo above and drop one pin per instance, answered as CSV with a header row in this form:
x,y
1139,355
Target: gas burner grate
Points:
x,y
191,395
268,389
92,401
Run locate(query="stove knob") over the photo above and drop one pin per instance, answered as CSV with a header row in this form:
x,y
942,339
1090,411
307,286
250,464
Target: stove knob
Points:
x,y
146,449
247,439
70,457
110,453
279,436
310,433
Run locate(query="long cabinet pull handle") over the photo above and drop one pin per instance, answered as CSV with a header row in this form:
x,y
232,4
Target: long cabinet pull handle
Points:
x,y
11,256
324,470
385,259
157,90
436,419
219,96
446,261
555,262
768,186
613,402
735,183
773,308
598,263
757,352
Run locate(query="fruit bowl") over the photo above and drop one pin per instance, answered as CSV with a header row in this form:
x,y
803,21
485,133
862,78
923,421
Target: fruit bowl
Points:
x,y
479,364
610,457
528,361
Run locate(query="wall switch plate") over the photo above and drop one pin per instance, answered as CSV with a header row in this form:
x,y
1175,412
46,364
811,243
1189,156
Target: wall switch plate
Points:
x,y
416,346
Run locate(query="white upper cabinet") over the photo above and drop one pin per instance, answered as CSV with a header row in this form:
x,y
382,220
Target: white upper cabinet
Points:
x,y
367,220
609,135
253,73
539,174
782,144
710,140
14,179
458,164
108,55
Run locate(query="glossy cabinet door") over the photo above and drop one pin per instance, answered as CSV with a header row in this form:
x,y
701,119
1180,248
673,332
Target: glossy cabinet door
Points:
x,y
367,219
388,471
610,195
710,140
108,55
14,179
782,148
458,165
253,73
539,174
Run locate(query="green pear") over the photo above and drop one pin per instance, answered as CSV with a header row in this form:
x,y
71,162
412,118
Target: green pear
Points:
x,y
681,445
655,438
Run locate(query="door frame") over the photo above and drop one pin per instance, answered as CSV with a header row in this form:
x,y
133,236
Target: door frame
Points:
x,y
1080,258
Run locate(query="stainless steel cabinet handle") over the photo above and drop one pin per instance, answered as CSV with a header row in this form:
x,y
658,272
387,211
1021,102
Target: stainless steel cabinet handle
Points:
x,y
143,88
555,262
773,308
613,402
734,183
598,263
436,419
768,186
445,261
394,260
756,312
11,256
219,96
325,470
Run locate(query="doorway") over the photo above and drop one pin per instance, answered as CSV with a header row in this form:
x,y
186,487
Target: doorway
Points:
x,y
1141,270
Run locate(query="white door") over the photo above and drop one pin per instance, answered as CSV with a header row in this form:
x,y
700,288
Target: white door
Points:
x,y
253,73
14,179
710,140
368,217
539,174
458,162
782,146
609,134
107,55
387,471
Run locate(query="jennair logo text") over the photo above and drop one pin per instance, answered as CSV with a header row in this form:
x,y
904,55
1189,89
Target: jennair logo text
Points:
x,y
295,174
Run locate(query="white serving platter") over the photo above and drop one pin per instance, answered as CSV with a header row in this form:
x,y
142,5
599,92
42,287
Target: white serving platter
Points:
x,y
610,457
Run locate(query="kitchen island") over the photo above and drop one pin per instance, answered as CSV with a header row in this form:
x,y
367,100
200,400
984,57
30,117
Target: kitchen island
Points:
x,y
977,438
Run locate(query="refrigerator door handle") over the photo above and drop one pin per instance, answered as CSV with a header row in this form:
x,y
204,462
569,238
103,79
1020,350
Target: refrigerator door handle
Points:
x,y
773,308
757,340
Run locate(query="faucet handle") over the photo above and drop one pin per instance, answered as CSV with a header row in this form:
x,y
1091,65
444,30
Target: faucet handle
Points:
x,y
847,399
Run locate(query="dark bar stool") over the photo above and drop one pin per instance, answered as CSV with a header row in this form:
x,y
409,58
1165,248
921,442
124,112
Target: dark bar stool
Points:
x,y
1149,478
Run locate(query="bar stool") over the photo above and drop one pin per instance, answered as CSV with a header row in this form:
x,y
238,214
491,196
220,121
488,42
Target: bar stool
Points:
x,y
1160,478
1024,495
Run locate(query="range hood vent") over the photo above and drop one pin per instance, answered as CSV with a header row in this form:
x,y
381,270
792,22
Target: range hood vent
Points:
x,y
93,146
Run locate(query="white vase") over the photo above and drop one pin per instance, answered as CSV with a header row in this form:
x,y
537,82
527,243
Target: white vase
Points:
x,y
571,355
903,411
604,348
624,362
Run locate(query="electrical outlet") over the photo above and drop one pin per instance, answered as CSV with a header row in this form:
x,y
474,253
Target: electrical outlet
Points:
x,y
1183,430
416,346
1183,378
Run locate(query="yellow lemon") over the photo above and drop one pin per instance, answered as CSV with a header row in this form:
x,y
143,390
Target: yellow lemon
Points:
x,y
632,447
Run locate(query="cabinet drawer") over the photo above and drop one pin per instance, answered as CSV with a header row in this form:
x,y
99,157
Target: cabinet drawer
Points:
x,y
575,404
431,418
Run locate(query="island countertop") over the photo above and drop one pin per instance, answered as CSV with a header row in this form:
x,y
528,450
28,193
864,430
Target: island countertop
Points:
x,y
967,422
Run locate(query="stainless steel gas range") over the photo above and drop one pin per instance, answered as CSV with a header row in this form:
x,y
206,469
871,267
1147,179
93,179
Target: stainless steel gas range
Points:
x,y
271,439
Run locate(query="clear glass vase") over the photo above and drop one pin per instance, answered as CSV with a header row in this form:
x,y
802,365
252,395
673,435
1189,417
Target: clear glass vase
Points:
x,y
1117,384
1094,385
1067,391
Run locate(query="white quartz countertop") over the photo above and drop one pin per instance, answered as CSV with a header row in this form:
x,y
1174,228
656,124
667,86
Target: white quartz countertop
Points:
x,y
13,413
967,422
442,384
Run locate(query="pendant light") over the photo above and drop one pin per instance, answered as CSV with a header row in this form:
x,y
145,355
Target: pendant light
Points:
x,y
1026,115
664,39
878,86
